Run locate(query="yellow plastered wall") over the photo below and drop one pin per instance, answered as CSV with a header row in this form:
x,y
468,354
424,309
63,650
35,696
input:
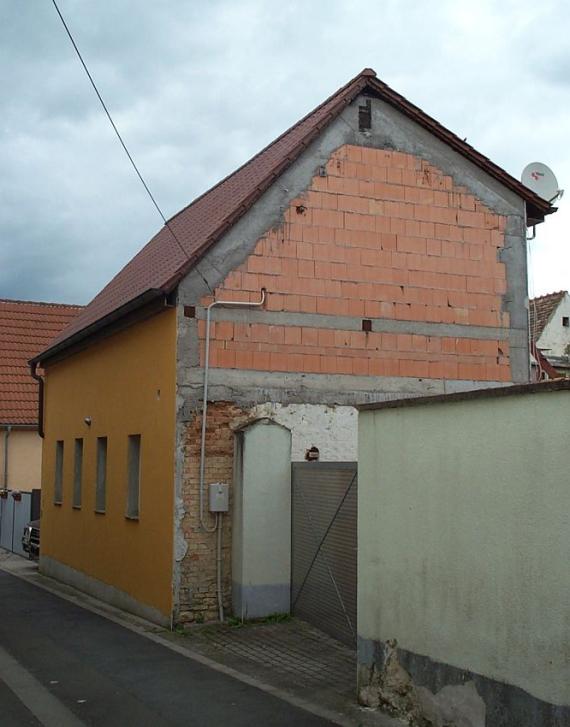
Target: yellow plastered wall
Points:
x,y
126,385
24,459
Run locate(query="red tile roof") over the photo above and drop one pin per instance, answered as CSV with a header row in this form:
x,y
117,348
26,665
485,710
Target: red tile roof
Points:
x,y
164,261
25,328
541,310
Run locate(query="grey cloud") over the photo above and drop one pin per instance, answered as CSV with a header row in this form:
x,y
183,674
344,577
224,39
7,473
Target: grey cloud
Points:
x,y
198,87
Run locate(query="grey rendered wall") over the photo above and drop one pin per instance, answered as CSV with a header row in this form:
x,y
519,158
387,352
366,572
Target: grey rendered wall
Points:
x,y
261,521
464,548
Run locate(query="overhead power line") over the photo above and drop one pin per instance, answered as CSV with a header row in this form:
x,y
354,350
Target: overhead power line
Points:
x,y
120,138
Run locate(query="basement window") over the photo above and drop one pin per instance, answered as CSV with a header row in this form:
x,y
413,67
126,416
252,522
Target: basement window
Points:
x,y
58,482
101,481
77,473
134,473
566,321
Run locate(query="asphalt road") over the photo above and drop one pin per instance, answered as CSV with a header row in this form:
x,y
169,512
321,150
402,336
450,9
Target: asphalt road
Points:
x,y
64,666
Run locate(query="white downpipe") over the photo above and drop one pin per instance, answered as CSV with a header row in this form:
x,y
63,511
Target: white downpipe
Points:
x,y
219,517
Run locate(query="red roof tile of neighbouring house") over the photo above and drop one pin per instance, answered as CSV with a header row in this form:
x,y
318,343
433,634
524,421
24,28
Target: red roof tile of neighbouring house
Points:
x,y
25,328
175,250
541,310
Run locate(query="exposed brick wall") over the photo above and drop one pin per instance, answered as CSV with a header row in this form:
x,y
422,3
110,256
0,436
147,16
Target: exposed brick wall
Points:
x,y
198,596
382,235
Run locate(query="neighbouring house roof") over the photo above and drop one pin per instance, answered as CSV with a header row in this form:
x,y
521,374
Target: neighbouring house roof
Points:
x,y
25,327
158,268
541,310
542,363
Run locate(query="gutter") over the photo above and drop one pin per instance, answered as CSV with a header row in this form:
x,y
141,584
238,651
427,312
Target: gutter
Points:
x,y
141,300
6,438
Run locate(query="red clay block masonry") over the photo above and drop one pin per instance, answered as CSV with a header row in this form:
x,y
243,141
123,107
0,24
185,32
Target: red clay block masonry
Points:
x,y
382,235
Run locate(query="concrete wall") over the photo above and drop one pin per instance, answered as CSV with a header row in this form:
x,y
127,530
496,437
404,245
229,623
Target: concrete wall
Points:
x,y
24,459
125,384
463,548
261,533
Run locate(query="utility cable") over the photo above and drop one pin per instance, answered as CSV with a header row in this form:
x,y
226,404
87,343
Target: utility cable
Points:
x,y
120,138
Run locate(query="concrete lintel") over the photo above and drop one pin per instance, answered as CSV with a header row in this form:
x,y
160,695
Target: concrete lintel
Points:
x,y
379,325
246,387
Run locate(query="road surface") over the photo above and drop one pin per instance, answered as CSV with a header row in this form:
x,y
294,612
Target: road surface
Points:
x,y
64,666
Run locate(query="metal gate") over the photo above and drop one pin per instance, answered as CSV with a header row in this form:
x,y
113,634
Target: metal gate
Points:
x,y
16,510
324,546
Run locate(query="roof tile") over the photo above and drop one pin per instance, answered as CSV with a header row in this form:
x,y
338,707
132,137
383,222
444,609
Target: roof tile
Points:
x,y
25,328
541,309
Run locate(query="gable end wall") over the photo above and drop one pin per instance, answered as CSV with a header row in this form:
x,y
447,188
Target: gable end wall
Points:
x,y
398,229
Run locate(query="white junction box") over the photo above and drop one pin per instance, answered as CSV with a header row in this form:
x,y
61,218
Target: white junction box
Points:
x,y
219,494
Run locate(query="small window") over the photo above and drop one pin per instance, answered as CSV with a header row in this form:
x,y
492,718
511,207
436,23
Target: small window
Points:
x,y
566,321
134,470
58,483
101,483
77,472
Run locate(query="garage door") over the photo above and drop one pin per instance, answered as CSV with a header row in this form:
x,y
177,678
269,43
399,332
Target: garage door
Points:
x,y
324,546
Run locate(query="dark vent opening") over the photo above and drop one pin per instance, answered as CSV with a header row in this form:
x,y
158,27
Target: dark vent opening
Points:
x,y
365,116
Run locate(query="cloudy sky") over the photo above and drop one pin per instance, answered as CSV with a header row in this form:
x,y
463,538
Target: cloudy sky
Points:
x,y
196,88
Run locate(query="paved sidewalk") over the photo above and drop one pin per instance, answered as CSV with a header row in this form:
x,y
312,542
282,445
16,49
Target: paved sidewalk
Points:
x,y
296,655
292,656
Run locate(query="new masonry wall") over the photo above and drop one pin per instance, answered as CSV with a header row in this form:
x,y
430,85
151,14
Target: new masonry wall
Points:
x,y
387,230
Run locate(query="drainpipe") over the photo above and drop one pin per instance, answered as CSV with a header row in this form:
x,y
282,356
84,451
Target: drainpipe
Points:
x,y
40,380
218,521
6,437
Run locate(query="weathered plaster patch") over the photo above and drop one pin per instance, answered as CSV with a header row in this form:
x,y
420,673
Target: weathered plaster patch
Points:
x,y
333,429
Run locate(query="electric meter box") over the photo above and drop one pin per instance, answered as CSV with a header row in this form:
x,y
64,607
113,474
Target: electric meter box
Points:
x,y
219,494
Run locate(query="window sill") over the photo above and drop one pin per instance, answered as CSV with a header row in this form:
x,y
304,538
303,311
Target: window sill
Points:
x,y
76,507
59,504
135,518
100,512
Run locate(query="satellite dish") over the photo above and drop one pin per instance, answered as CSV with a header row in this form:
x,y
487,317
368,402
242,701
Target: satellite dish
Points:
x,y
541,180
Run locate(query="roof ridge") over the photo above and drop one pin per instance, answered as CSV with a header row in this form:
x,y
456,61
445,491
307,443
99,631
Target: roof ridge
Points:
x,y
451,138
365,73
159,266
549,295
41,302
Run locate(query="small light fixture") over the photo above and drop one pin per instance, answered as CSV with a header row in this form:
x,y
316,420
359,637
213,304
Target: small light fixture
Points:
x,y
87,421
312,454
